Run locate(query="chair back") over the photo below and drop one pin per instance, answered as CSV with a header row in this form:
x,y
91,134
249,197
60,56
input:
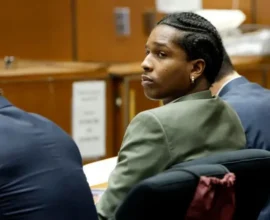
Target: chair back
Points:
x,y
169,194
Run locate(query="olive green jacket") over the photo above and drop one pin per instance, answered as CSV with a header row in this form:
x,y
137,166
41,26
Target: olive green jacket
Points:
x,y
190,127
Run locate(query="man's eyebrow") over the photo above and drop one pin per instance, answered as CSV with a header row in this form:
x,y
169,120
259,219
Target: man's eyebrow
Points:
x,y
159,44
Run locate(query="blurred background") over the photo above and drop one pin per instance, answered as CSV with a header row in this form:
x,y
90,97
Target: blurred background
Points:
x,y
77,62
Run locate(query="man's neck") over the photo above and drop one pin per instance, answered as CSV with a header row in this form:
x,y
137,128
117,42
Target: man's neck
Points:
x,y
219,84
200,85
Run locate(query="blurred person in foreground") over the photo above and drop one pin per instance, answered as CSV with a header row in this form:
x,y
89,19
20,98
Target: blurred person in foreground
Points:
x,y
41,170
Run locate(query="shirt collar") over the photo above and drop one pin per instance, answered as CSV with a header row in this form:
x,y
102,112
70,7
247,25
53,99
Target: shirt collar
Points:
x,y
232,84
224,85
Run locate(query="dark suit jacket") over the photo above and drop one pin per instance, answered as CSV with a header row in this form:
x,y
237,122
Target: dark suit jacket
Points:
x,y
252,104
41,170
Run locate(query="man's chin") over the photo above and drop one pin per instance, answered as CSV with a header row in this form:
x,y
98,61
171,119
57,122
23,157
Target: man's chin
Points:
x,y
152,97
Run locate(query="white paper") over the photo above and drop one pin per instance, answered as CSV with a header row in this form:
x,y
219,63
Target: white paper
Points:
x,y
171,6
98,172
89,117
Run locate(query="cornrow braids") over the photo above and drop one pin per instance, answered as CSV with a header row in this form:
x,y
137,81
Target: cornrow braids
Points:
x,y
201,40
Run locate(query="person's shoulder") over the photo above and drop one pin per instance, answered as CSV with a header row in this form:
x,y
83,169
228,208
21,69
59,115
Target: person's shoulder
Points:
x,y
18,122
248,94
157,113
49,127
247,87
41,118
174,112
187,106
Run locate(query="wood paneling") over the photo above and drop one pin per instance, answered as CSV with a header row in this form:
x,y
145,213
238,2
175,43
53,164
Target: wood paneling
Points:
x,y
33,29
96,35
255,68
45,88
262,11
44,29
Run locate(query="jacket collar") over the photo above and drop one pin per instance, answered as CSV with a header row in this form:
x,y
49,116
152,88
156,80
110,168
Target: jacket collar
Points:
x,y
232,84
4,102
198,95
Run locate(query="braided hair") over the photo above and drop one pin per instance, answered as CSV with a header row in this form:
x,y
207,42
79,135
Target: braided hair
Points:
x,y
201,40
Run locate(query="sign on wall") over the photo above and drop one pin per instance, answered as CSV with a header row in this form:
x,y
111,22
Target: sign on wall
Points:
x,y
89,117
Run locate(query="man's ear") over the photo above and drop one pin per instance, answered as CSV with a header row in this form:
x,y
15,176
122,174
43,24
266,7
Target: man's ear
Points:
x,y
198,67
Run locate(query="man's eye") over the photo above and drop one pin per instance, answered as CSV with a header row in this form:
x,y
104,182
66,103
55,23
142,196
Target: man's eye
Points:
x,y
147,52
162,54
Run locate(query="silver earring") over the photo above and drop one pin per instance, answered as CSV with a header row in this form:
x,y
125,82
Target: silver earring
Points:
x,y
192,79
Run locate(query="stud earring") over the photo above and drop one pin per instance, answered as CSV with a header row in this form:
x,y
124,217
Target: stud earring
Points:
x,y
192,79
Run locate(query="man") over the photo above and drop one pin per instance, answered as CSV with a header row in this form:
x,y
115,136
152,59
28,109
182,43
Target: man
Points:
x,y
249,100
41,170
252,104
184,54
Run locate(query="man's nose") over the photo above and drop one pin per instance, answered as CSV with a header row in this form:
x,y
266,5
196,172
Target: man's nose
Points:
x,y
147,65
